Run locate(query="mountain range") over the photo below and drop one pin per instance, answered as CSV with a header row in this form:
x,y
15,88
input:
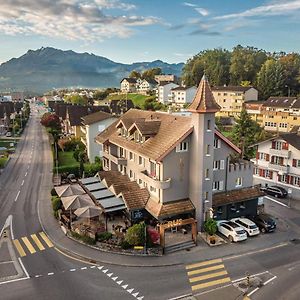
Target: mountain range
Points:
x,y
48,68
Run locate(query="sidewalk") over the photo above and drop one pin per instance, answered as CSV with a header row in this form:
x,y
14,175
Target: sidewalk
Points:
x,y
198,253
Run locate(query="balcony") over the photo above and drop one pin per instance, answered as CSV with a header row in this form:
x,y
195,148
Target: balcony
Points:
x,y
154,182
280,168
282,153
118,160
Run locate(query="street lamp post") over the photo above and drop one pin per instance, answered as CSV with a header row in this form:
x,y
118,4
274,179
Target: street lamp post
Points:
x,y
289,90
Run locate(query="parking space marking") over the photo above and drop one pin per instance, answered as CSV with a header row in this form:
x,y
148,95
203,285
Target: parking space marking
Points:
x,y
276,201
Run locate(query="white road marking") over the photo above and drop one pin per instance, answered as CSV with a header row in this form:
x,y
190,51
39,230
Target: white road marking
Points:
x,y
271,279
256,251
276,201
254,275
140,298
37,276
252,292
83,268
110,274
17,196
115,278
135,294
72,270
130,291
14,280
26,174
50,274
92,267
125,286
100,268
22,182
105,271
120,282
212,290
23,267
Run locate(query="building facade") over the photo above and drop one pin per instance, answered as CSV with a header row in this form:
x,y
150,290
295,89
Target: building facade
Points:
x,y
181,96
91,126
277,161
182,161
163,91
231,99
281,114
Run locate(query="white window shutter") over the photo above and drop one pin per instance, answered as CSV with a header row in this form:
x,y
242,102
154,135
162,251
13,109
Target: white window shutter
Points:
x,y
221,185
222,164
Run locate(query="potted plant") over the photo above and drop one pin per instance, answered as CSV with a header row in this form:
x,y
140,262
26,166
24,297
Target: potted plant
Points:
x,y
210,227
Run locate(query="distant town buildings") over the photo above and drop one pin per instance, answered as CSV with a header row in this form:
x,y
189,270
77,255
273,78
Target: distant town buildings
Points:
x,y
233,98
164,90
181,96
137,85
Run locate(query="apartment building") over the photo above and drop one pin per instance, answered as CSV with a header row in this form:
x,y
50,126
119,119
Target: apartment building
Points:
x,y
185,164
254,109
141,86
181,95
231,99
281,114
163,91
91,126
277,161
128,85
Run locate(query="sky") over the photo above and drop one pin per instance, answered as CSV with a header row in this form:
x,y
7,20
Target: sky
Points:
x,y
144,30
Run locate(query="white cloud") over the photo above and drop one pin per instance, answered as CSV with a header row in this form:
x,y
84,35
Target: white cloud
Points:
x,y
85,20
271,9
202,11
189,4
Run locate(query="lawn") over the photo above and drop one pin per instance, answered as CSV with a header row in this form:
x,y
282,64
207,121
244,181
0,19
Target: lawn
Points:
x,y
66,159
137,99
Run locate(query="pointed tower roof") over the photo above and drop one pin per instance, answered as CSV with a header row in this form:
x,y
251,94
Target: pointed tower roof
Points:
x,y
204,101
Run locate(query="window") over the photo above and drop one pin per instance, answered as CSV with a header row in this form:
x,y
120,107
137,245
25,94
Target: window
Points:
x,y
182,147
122,152
208,125
152,169
217,143
130,155
207,174
140,181
217,185
207,150
152,189
238,182
205,195
140,160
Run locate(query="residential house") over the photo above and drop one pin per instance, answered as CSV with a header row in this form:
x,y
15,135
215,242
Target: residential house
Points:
x,y
128,85
166,78
232,99
146,86
163,91
91,126
181,95
254,109
183,162
277,161
8,110
74,113
281,114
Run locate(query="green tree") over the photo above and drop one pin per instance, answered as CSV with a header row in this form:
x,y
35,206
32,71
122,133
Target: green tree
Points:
x,y
245,64
210,226
270,79
245,133
135,234
135,74
150,73
215,63
76,99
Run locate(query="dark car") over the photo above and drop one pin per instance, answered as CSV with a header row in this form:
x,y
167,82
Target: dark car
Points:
x,y
264,222
276,191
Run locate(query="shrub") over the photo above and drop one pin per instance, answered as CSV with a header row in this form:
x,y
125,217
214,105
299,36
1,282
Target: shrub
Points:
x,y
91,169
135,234
68,170
53,192
104,236
125,245
84,238
56,203
210,226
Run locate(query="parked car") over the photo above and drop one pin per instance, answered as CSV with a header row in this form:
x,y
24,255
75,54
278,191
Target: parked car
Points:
x,y
276,191
232,231
249,226
264,222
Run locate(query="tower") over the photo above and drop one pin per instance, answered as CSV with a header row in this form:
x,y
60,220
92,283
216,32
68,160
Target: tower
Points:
x,y
203,109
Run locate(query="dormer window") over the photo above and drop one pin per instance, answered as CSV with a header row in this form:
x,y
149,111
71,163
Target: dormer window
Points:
x,y
123,132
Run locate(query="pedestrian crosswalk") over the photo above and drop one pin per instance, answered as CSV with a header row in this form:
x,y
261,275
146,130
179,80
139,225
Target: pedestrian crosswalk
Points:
x,y
206,274
33,243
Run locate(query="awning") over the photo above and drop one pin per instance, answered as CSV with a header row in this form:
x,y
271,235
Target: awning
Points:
x,y
112,204
95,186
89,180
102,194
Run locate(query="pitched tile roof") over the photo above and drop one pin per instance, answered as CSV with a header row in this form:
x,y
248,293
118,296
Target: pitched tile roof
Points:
x,y
95,117
235,196
204,101
146,127
171,131
169,209
231,88
130,80
284,102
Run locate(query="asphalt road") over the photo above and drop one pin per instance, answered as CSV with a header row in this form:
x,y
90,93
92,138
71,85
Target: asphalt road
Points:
x,y
52,275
